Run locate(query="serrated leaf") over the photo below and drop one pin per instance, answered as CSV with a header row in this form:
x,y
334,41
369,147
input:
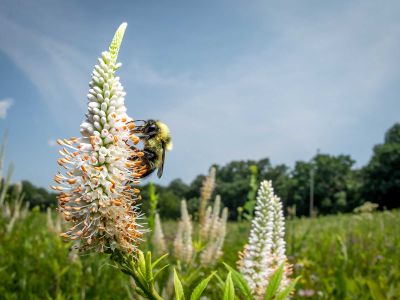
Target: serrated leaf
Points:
x,y
286,292
229,289
199,289
274,283
179,295
239,282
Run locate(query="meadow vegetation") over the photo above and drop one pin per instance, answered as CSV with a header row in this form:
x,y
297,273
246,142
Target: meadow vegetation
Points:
x,y
352,256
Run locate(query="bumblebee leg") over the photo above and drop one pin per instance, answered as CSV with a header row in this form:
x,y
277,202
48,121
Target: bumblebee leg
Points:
x,y
149,159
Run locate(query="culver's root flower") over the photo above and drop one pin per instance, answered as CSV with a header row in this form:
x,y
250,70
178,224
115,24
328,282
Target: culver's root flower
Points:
x,y
183,248
101,167
213,249
205,193
212,233
159,243
265,250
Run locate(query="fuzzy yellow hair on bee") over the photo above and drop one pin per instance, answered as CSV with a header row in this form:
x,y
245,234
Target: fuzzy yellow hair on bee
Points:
x,y
165,135
156,138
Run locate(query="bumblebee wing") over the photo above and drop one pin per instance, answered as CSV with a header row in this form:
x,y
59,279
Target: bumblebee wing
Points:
x,y
161,167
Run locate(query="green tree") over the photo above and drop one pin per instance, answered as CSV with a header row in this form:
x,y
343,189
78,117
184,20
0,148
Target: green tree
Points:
x,y
334,184
179,188
38,196
382,174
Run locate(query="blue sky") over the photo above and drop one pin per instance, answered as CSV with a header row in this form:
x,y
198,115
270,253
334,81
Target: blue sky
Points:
x,y
232,79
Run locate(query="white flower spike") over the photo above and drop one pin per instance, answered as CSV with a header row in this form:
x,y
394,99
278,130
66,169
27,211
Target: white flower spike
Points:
x,y
265,251
101,167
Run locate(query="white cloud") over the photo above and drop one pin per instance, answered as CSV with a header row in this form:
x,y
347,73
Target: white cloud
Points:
x,y
5,104
58,71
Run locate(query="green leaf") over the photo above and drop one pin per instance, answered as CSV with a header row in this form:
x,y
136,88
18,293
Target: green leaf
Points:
x,y
198,290
239,282
274,283
193,276
179,295
286,292
219,279
160,270
149,270
229,289
139,277
158,260
141,263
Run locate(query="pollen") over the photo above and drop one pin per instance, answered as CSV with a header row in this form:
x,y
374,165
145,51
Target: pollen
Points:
x,y
116,202
134,139
57,188
71,180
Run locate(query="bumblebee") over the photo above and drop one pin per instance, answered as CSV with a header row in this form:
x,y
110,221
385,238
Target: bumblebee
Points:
x,y
156,139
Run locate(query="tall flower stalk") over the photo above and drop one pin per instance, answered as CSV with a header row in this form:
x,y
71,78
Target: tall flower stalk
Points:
x,y
158,240
213,249
183,248
206,192
265,251
100,167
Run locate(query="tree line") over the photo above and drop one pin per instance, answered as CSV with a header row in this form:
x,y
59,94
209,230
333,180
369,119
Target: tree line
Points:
x,y
337,185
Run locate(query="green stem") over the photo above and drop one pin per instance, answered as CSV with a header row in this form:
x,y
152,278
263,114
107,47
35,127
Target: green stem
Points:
x,y
128,265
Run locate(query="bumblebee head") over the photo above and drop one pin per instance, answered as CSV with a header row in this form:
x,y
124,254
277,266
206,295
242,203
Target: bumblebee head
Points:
x,y
165,135
155,129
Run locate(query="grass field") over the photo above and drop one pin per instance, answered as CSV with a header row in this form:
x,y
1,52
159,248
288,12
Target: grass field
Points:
x,y
338,257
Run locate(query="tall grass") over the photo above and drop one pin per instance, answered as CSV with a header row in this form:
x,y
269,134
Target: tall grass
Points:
x,y
338,257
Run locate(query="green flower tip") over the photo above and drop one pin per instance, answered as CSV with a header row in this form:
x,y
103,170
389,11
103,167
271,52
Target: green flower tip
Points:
x,y
116,41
